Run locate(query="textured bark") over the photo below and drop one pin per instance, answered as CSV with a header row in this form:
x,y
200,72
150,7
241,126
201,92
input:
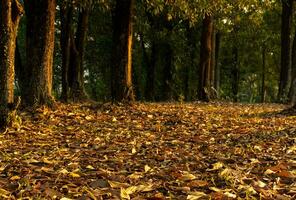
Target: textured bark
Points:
x,y
11,11
205,59
286,29
39,48
121,70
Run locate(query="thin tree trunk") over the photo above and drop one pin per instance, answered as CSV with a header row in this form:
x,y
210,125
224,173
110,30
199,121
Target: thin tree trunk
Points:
x,y
205,59
150,65
77,90
235,74
292,93
286,29
66,13
217,66
168,72
11,11
39,46
121,70
213,62
263,88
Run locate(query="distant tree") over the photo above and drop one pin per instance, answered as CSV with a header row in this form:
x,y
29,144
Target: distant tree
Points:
x,y
121,64
206,52
10,14
286,29
73,49
37,85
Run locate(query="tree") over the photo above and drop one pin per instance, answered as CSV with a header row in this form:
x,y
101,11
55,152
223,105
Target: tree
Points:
x,y
73,49
286,29
205,58
121,64
37,85
11,11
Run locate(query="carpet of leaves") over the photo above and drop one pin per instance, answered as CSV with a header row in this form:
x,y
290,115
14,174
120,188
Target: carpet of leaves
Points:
x,y
151,151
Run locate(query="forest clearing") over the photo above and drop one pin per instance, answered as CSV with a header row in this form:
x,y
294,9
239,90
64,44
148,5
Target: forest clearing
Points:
x,y
151,151
197,99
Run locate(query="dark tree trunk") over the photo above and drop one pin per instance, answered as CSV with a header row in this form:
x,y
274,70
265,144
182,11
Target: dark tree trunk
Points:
x,y
167,72
192,49
39,48
217,66
292,93
235,74
287,13
121,69
150,63
11,11
73,52
66,13
205,59
263,88
76,70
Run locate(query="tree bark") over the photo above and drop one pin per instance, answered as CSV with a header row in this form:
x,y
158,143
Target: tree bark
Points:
x,y
39,48
73,49
11,11
66,13
121,70
286,29
205,59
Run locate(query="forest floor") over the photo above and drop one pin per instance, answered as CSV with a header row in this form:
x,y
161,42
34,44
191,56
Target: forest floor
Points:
x,y
151,151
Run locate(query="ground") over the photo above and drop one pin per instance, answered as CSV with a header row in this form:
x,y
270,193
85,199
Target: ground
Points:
x,y
151,151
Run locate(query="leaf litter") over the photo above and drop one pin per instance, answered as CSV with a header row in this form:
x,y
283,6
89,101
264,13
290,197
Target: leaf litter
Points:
x,y
151,151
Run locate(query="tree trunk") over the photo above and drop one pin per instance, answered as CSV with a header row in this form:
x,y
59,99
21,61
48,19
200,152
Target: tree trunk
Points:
x,y
11,11
263,87
235,74
205,59
76,71
66,13
39,48
150,63
292,93
167,71
217,66
286,29
73,49
121,70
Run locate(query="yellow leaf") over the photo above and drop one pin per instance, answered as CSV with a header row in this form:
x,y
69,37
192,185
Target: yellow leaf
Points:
x,y
4,193
187,176
115,184
147,168
195,195
63,171
90,167
15,178
216,166
74,175
124,193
